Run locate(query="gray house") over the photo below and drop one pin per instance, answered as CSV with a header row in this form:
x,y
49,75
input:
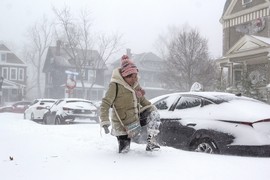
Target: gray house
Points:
x,y
13,72
150,70
59,67
246,48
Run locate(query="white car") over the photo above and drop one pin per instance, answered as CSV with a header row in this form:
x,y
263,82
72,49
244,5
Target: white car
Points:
x,y
37,109
67,110
214,122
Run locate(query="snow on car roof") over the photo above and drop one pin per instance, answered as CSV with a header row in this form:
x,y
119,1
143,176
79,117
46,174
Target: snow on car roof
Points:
x,y
48,100
76,99
214,96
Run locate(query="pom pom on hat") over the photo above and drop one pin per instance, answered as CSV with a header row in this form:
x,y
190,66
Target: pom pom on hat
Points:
x,y
127,66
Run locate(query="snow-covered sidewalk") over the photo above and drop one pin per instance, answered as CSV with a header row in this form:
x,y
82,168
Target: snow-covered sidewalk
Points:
x,y
82,152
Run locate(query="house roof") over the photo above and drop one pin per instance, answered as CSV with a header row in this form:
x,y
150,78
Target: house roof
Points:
x,y
146,57
7,84
11,57
263,39
229,11
227,3
145,61
248,45
3,48
63,58
142,61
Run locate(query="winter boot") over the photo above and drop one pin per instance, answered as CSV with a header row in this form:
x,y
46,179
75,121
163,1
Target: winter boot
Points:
x,y
152,145
124,144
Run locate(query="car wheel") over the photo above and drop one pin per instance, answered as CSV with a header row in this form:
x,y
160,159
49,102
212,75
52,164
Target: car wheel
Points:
x,y
32,117
45,119
205,145
58,120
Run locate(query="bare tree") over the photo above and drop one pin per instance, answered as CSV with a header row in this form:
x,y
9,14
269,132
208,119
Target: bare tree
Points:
x,y
187,60
39,39
79,38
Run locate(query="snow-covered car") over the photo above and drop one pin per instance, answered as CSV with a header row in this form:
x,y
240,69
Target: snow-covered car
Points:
x,y
37,108
16,107
213,122
67,110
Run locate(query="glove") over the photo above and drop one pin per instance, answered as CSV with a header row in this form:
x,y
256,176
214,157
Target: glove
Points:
x,y
106,129
140,93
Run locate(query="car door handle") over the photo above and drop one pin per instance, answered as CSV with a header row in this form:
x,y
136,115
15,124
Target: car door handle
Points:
x,y
191,125
172,119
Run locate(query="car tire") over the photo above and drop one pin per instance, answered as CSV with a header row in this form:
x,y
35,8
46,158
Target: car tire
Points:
x,y
45,119
57,120
48,120
205,145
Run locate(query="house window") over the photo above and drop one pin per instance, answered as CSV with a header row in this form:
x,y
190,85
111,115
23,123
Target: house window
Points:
x,y
13,74
49,78
5,72
21,74
237,75
3,57
91,76
244,2
83,73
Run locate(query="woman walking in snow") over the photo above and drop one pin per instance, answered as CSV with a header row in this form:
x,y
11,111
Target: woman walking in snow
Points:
x,y
127,99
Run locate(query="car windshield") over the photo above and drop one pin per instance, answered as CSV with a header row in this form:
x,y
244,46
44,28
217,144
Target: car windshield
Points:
x,y
34,102
166,102
188,102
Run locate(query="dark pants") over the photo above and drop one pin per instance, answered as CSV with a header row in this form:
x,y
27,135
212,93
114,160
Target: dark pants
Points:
x,y
124,143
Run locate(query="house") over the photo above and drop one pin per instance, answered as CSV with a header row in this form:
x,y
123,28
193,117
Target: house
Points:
x,y
246,48
60,70
150,70
13,72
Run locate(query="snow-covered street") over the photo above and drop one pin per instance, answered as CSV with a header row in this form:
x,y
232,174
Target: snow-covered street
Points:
x,y
82,152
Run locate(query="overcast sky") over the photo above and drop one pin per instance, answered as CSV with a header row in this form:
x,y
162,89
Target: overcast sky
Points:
x,y
140,21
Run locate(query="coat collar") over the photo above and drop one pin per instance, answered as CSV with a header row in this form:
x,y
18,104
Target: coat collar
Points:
x,y
117,78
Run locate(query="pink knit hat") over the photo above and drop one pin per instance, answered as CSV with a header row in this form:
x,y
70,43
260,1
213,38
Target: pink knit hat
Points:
x,y
127,66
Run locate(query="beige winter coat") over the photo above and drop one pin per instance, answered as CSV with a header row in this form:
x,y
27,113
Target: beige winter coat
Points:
x,y
126,103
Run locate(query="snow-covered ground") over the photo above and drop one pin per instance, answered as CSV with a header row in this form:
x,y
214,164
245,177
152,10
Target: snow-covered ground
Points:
x,y
82,152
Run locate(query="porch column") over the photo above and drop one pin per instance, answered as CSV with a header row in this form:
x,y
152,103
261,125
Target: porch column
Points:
x,y
268,78
230,77
245,78
221,74
268,69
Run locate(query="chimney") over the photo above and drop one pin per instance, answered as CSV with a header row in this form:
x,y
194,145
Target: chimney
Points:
x,y
129,53
58,47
